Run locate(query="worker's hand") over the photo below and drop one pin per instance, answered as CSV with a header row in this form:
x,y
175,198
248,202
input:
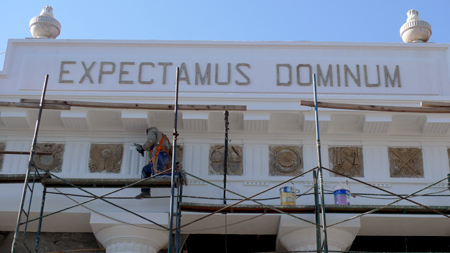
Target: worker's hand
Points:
x,y
139,149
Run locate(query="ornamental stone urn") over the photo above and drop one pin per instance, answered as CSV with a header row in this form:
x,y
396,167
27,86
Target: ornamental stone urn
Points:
x,y
45,26
415,30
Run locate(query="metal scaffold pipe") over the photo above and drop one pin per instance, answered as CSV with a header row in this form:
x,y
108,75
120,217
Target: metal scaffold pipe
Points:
x,y
320,174
174,175
30,163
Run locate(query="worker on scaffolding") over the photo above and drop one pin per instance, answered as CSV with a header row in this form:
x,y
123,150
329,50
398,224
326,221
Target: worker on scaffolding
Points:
x,y
160,157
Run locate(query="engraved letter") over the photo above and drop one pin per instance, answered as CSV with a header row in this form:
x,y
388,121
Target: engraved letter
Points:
x,y
62,72
309,76
217,75
347,70
338,71
183,69
87,72
164,64
123,72
198,74
140,72
320,76
242,73
102,72
288,66
387,77
366,78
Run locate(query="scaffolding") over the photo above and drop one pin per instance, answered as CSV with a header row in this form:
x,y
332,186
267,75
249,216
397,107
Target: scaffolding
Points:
x,y
320,209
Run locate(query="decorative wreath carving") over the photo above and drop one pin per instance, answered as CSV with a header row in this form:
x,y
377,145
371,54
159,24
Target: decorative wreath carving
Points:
x,y
285,160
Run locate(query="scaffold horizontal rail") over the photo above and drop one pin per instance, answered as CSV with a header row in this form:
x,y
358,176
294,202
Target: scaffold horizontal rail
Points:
x,y
90,182
19,178
309,209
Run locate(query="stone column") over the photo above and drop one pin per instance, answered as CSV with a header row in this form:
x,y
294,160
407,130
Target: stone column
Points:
x,y
297,235
132,239
114,233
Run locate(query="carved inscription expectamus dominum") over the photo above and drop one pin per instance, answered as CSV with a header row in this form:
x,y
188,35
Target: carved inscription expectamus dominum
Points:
x,y
285,160
234,161
105,158
405,162
347,161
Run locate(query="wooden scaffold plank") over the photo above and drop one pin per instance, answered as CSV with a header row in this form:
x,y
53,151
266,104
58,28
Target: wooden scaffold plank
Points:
x,y
137,105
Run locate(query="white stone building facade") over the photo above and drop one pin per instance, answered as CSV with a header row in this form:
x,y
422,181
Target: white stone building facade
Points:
x,y
270,78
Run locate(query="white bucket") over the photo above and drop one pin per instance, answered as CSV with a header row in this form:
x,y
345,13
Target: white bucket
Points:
x,y
288,195
341,194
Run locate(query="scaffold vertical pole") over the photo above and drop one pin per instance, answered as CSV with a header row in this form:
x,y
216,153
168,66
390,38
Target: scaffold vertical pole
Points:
x,y
317,212
225,172
174,173
225,159
320,173
448,179
30,164
38,235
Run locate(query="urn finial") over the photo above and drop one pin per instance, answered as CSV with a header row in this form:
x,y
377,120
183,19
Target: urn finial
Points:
x,y
415,29
45,26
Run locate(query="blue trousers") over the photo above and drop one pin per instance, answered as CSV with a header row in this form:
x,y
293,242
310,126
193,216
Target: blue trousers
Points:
x,y
161,162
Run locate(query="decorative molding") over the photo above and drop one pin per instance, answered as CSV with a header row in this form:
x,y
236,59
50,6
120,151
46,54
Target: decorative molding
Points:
x,y
75,120
105,158
134,120
256,122
382,185
195,121
309,125
377,124
255,183
196,182
435,125
15,119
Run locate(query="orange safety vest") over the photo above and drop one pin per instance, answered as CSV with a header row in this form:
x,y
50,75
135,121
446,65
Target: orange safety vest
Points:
x,y
158,150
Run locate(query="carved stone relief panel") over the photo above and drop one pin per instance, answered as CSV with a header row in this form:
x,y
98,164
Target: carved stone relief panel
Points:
x,y
2,156
51,162
234,161
105,158
285,160
347,161
405,162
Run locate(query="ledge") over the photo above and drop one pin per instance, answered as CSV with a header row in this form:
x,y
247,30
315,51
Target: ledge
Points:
x,y
196,207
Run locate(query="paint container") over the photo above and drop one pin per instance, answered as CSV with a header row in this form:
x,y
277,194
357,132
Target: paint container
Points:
x,y
288,195
341,194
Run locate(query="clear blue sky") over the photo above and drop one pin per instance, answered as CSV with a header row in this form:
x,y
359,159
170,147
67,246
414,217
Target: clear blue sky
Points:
x,y
227,20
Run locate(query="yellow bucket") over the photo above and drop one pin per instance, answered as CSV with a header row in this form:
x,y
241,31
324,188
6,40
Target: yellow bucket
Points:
x,y
288,195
